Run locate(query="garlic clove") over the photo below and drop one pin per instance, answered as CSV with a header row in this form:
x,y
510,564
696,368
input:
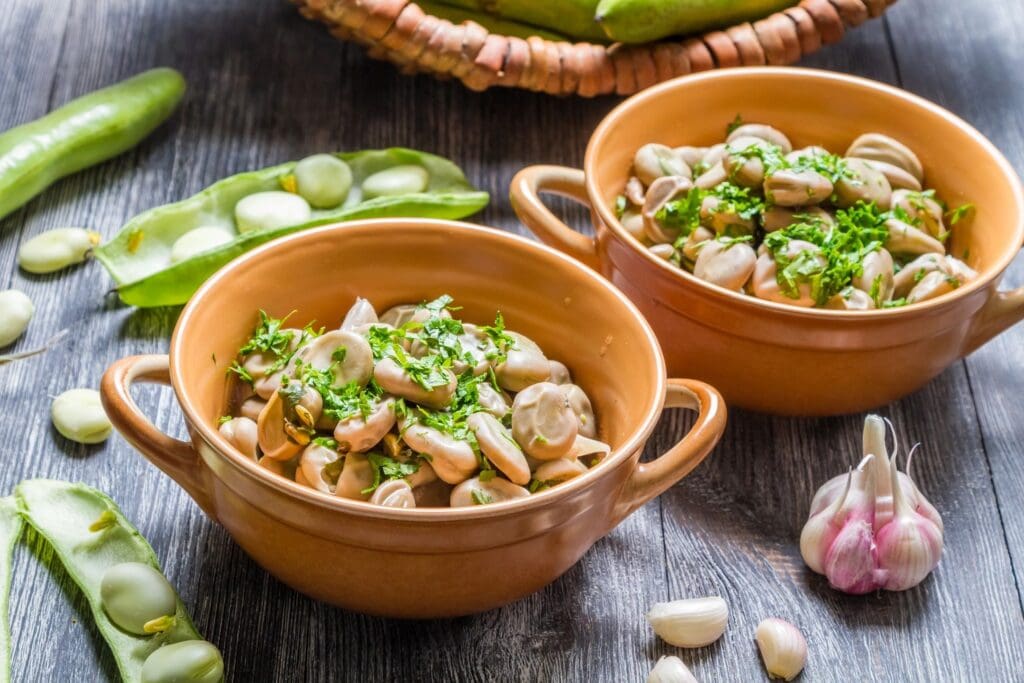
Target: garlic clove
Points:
x,y
670,670
850,560
909,546
783,648
695,622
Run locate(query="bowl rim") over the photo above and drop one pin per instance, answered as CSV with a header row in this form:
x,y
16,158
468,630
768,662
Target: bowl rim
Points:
x,y
247,466
626,109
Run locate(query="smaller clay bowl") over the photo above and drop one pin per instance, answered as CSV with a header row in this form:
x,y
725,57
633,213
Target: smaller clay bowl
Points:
x,y
422,562
772,357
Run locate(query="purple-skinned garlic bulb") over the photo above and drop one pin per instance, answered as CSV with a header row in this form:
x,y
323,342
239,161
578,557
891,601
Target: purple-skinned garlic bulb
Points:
x,y
872,528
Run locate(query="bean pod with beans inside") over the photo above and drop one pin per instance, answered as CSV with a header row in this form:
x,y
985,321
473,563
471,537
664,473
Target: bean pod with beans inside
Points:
x,y
412,408
801,227
10,531
163,255
136,609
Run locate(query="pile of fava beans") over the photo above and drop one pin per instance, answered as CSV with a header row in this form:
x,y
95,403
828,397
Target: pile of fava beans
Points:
x,y
412,408
800,227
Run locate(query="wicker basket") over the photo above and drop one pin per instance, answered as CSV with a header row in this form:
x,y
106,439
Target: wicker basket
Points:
x,y
400,32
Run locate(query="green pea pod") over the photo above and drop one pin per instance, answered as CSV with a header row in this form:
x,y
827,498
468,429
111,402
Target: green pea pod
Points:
x,y
644,21
573,18
494,24
84,132
89,534
138,257
10,531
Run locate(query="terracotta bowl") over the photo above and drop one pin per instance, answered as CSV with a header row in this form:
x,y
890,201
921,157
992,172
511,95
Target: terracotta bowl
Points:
x,y
771,357
448,561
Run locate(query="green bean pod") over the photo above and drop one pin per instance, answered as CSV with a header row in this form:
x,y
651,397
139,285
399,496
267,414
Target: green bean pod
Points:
x,y
89,534
84,132
574,18
643,21
10,531
138,258
501,26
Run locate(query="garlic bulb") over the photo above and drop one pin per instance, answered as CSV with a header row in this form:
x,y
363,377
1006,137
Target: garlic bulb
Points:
x,y
872,528
690,623
782,647
670,670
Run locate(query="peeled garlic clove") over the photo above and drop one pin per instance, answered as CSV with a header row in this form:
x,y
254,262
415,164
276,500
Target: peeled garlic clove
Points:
x,y
695,622
670,670
783,648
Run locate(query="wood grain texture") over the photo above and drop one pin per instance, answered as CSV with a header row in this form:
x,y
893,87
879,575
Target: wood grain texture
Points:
x,y
266,86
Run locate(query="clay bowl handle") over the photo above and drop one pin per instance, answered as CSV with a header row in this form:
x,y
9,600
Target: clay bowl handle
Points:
x,y
176,458
1004,310
653,478
525,192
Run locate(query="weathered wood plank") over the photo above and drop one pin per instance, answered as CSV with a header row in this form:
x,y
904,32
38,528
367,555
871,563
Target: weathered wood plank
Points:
x,y
983,40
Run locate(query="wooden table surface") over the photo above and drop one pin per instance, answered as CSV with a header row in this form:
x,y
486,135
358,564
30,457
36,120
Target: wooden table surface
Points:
x,y
266,86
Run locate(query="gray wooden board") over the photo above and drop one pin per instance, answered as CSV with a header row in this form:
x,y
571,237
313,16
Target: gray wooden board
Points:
x,y
265,86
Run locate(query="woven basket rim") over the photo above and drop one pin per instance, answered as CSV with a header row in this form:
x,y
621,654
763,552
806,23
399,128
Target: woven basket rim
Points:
x,y
400,31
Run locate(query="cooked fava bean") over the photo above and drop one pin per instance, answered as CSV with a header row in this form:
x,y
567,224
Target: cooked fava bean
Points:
x,y
57,249
862,183
396,493
79,416
661,192
138,598
476,492
197,241
363,431
763,132
633,222
396,181
557,471
16,311
361,313
243,434
190,661
931,286
543,422
315,463
654,161
501,449
726,263
434,415
323,180
270,210
94,541
524,364
559,373
883,148
356,478
796,188
877,276
812,218
581,407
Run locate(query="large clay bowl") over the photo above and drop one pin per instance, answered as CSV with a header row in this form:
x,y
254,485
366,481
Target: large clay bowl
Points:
x,y
420,562
772,357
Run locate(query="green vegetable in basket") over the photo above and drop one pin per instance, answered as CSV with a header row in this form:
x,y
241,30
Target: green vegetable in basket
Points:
x,y
86,131
136,610
10,530
163,255
573,18
643,21
494,24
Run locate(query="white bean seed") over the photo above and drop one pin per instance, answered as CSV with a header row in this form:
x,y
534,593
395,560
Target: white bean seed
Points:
x,y
56,249
269,210
198,240
78,415
16,310
396,180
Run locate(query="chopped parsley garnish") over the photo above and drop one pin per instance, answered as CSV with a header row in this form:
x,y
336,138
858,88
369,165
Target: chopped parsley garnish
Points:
x,y
733,125
621,203
503,342
956,215
481,497
386,468
242,373
268,337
